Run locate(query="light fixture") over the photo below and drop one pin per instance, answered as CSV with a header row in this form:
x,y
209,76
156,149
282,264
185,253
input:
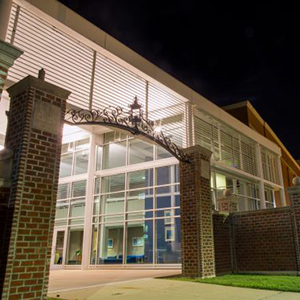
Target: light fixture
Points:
x,y
135,112
157,129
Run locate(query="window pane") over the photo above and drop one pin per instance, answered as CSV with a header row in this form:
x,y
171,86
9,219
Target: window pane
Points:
x,y
163,175
96,206
76,221
77,208
139,246
64,148
167,213
60,222
113,183
176,171
114,155
75,246
81,162
66,165
140,215
113,203
62,191
79,188
140,200
97,185
140,179
99,158
140,151
168,241
61,210
162,153
94,245
59,247
112,218
111,244
164,201
82,144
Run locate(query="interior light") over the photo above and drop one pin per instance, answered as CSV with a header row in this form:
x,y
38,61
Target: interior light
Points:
x,y
157,129
1,147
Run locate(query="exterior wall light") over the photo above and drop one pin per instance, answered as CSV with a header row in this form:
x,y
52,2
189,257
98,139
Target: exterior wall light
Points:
x,y
135,112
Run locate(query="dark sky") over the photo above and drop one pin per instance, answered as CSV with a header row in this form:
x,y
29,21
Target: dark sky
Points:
x,y
226,54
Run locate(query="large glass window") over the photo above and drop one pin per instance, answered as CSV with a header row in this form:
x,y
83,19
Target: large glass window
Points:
x,y
114,155
140,200
111,243
140,151
168,241
113,183
120,150
269,198
112,203
246,193
70,205
125,217
140,179
74,158
75,242
139,242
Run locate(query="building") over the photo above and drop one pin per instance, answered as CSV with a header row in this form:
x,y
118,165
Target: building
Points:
x,y
118,198
245,112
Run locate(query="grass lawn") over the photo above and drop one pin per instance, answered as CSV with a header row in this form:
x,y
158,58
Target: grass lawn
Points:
x,y
266,282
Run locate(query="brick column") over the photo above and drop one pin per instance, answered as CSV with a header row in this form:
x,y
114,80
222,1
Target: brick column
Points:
x,y
34,136
198,258
8,54
294,195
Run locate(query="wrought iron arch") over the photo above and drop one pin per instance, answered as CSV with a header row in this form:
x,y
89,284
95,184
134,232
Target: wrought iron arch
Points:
x,y
132,120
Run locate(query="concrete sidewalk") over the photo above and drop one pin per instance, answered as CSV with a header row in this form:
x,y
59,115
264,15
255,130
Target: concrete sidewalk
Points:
x,y
149,289
64,280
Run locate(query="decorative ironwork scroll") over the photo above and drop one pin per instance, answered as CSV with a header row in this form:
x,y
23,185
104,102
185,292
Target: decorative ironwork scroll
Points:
x,y
132,121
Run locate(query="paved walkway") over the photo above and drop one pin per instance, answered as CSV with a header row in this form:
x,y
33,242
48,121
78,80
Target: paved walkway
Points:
x,y
65,280
149,289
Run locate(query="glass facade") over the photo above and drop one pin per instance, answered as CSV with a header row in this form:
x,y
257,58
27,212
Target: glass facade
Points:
x,y
136,217
134,200
246,192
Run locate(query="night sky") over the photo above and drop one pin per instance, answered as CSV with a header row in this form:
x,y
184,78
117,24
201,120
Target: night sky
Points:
x,y
226,54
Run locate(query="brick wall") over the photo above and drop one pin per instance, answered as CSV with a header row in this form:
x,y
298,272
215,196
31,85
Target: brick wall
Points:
x,y
222,243
264,240
31,210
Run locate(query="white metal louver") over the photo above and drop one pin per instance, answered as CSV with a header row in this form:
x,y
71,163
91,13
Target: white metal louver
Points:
x,y
230,148
227,145
114,85
206,135
249,157
11,23
269,165
67,63
169,110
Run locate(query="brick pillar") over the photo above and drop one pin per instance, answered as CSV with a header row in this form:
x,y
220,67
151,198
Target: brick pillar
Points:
x,y
198,258
8,54
34,136
294,195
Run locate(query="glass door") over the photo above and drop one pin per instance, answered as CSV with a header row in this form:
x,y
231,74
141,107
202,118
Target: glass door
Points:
x,y
58,248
